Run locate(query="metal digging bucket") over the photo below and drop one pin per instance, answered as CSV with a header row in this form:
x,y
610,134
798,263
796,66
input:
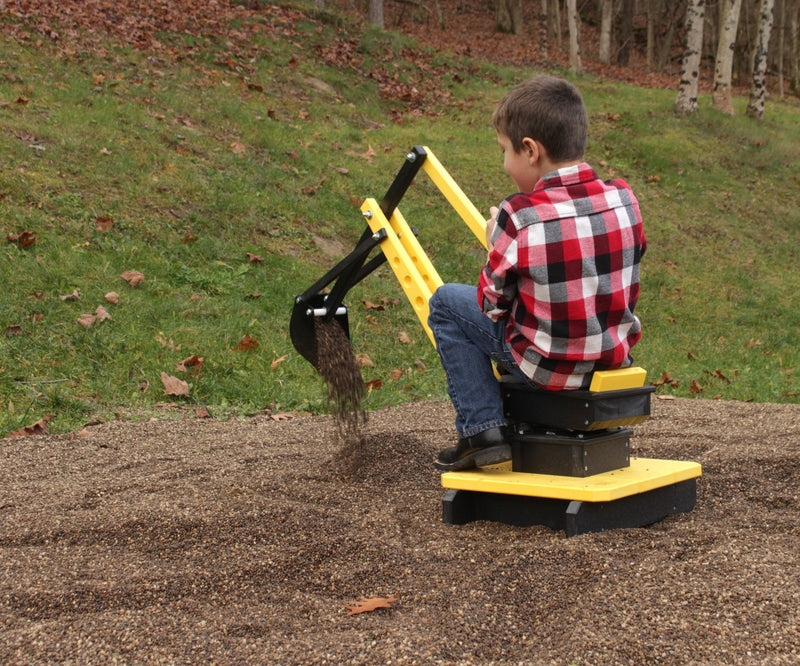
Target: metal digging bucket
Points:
x,y
302,327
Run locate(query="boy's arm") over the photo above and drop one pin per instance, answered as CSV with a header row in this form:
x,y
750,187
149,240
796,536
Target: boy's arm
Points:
x,y
491,223
497,285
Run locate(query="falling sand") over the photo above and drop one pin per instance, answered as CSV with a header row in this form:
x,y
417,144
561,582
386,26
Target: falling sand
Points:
x,y
339,369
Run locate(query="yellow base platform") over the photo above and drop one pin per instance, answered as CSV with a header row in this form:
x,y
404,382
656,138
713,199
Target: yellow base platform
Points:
x,y
644,474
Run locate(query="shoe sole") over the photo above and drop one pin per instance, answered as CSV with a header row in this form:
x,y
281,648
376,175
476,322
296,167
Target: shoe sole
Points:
x,y
489,456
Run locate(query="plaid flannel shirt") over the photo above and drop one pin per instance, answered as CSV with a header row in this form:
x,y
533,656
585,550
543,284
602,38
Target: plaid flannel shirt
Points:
x,y
564,273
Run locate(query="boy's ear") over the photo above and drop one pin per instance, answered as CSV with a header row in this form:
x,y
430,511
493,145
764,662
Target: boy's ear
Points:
x,y
531,149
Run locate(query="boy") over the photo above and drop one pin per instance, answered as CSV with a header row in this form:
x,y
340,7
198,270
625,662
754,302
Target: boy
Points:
x,y
556,296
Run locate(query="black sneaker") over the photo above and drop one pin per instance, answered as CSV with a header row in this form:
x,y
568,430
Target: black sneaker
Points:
x,y
486,448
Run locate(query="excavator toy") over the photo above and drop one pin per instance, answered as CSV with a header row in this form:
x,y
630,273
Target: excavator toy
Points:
x,y
571,466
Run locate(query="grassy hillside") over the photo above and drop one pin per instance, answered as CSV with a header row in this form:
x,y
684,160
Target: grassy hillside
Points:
x,y
229,169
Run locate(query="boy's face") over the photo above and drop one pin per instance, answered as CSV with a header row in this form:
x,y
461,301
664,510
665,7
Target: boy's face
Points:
x,y
521,166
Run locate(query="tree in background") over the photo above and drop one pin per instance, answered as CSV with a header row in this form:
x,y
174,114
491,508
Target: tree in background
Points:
x,y
509,16
375,13
758,90
690,65
543,29
607,18
573,21
794,38
723,68
626,37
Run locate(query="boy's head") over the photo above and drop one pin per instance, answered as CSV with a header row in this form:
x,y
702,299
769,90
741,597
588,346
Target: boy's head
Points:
x,y
549,110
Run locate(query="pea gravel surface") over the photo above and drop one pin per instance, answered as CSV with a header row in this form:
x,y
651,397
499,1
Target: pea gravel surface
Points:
x,y
198,541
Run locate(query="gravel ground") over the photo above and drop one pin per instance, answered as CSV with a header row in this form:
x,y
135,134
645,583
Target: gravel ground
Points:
x,y
195,541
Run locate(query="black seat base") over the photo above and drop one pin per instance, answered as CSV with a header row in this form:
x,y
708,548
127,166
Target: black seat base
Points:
x,y
569,453
574,410
573,516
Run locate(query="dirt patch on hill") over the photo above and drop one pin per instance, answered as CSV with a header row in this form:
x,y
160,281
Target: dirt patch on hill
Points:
x,y
243,542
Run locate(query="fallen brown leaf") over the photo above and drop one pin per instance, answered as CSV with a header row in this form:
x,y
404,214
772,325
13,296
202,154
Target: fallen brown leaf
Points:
x,y
133,278
368,605
174,386
276,362
37,428
23,239
87,320
103,224
364,361
102,314
194,361
246,343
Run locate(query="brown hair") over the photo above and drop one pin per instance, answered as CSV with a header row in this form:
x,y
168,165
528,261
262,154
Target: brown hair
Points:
x,y
548,109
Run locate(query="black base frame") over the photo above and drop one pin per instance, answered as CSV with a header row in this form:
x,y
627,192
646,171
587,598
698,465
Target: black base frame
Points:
x,y
573,516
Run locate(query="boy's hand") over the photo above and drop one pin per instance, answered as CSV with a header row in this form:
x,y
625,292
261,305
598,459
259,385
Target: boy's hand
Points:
x,y
490,225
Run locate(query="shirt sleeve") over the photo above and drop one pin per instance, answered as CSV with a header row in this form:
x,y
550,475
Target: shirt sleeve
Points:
x,y
497,285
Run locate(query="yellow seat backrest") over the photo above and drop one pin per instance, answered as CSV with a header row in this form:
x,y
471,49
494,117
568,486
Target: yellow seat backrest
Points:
x,y
617,380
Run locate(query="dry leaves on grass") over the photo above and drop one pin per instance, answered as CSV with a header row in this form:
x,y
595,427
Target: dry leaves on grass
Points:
x,y
133,278
191,364
23,239
38,428
174,386
246,343
88,320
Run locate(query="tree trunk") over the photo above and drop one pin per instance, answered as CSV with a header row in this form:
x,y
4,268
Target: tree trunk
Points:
x,y
543,32
626,33
556,8
651,36
795,49
723,67
509,16
781,45
604,54
375,13
675,12
574,23
758,90
690,66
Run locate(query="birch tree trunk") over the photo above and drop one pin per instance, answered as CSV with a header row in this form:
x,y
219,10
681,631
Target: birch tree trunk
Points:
x,y
758,90
375,13
690,66
604,53
723,67
573,22
543,32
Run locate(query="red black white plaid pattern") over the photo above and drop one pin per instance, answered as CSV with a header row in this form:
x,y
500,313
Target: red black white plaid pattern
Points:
x,y
564,272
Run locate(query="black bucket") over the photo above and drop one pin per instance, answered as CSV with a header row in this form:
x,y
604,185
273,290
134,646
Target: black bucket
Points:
x,y
302,327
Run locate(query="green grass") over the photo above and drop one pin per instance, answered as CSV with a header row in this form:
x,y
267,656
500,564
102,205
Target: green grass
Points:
x,y
267,146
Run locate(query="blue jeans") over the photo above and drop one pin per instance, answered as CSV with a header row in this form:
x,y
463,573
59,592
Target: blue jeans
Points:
x,y
467,342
